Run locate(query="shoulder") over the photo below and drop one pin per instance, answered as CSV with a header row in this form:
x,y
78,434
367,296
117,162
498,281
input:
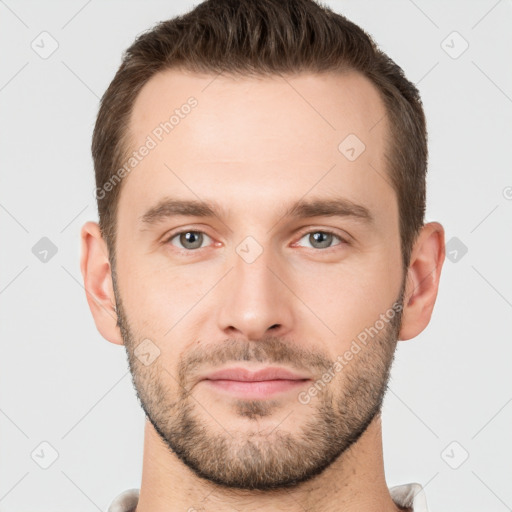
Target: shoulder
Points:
x,y
409,496
125,502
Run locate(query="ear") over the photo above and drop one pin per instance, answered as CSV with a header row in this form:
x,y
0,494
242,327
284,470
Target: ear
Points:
x,y
97,275
427,258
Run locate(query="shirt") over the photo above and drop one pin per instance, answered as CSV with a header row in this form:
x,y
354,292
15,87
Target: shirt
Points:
x,y
406,495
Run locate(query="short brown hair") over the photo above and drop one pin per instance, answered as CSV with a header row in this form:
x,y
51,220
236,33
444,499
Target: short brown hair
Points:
x,y
265,37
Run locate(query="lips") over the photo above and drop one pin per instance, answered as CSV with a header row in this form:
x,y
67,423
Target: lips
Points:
x,y
265,374
259,384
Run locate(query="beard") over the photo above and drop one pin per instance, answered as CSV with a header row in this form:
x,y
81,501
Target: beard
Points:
x,y
263,459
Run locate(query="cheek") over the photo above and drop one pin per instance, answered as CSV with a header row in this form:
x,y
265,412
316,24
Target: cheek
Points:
x,y
347,297
157,297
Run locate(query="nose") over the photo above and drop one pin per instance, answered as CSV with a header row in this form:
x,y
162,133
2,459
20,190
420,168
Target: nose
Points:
x,y
254,301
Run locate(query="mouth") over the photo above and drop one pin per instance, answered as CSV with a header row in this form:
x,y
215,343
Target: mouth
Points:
x,y
259,384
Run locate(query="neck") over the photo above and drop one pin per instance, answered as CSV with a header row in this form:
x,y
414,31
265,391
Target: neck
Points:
x,y
355,481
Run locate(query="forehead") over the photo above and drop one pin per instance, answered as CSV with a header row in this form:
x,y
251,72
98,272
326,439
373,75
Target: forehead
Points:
x,y
329,106
263,137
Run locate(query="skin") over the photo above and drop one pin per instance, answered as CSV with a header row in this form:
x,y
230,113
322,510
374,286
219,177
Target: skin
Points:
x,y
255,146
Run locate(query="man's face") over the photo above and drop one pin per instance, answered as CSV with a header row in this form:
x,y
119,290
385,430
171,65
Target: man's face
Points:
x,y
258,286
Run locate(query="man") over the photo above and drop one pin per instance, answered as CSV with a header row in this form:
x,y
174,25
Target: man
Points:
x,y
260,171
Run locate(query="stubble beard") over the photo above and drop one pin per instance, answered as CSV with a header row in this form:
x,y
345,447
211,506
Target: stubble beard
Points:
x,y
266,459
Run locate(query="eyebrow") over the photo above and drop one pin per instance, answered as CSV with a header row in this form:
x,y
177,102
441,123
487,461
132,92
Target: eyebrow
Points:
x,y
169,207
339,207
302,209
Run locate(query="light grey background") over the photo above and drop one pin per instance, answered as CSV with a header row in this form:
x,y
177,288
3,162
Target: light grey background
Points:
x,y
63,384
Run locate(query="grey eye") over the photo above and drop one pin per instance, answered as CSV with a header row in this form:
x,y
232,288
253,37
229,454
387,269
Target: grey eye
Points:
x,y
320,239
189,239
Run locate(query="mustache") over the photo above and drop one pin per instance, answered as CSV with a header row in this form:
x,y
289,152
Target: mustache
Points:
x,y
269,350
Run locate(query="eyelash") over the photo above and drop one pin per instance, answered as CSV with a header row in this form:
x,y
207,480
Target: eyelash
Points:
x,y
342,240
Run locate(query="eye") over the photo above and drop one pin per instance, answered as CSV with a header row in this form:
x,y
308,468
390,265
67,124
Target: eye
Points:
x,y
189,240
322,239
